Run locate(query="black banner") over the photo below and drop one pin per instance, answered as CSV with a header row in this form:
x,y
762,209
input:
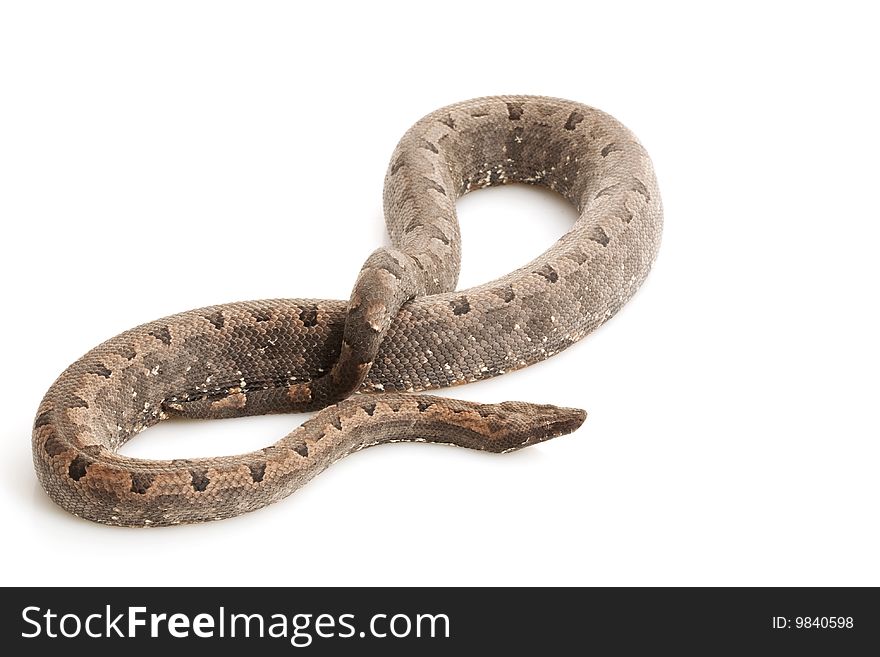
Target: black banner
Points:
x,y
438,621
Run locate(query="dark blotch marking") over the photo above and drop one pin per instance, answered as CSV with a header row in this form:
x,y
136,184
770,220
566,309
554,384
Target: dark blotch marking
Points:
x,y
505,293
42,419
432,185
514,111
216,319
639,187
369,408
460,306
636,186
302,449
599,235
392,268
200,480
395,167
431,230
608,190
128,353
549,273
261,315
424,406
78,467
336,422
140,482
78,402
479,113
53,446
484,411
573,119
385,260
449,122
101,370
438,234
308,315
577,256
628,217
429,146
258,471
163,334
610,148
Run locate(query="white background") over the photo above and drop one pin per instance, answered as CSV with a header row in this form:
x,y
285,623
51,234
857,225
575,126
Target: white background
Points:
x,y
156,157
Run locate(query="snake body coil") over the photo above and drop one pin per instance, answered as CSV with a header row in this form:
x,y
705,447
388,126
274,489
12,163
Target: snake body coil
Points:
x,y
403,330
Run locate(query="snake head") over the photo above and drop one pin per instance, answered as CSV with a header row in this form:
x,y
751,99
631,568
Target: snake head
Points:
x,y
528,424
543,421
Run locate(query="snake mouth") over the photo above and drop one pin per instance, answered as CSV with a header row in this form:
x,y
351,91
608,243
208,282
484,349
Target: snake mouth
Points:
x,y
564,421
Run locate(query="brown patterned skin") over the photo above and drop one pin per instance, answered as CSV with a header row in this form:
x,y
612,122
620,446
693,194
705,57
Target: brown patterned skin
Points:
x,y
403,330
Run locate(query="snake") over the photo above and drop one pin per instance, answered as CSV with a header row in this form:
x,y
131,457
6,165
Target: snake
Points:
x,y
365,364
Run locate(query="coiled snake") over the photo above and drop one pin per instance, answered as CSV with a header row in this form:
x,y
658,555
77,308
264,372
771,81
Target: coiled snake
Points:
x,y
404,329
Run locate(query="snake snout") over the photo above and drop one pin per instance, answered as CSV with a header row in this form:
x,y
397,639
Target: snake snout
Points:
x,y
540,422
559,421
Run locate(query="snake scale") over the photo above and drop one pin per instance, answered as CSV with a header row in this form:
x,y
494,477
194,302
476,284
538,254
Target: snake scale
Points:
x,y
403,330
